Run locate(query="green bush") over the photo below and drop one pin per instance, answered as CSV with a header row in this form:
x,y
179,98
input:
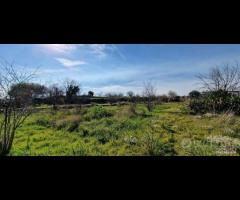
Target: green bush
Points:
x,y
235,104
217,102
83,131
155,147
103,134
73,126
70,124
198,106
200,149
128,124
80,150
43,122
101,112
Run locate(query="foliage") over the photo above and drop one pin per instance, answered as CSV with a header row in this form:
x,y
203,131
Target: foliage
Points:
x,y
15,104
194,94
168,130
216,102
91,93
99,112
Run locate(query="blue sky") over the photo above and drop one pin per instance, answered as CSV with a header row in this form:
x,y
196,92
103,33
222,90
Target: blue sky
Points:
x,y
121,67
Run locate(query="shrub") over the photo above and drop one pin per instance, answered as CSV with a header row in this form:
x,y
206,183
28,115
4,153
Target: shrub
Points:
x,y
132,110
103,134
176,99
131,140
155,147
80,150
200,149
73,126
235,104
71,123
163,98
100,112
217,102
61,124
84,131
128,124
43,122
168,128
197,106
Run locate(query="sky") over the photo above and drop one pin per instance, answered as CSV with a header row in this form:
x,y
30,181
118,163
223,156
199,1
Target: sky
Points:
x,y
120,68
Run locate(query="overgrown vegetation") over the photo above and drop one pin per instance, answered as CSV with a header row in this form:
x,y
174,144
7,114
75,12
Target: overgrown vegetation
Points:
x,y
148,125
109,130
221,94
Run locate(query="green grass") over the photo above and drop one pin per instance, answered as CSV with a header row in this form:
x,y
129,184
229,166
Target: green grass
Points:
x,y
114,130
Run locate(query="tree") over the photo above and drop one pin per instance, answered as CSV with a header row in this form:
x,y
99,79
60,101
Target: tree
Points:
x,y
226,78
132,100
56,95
91,93
28,90
149,92
72,89
172,95
194,94
163,98
13,109
130,94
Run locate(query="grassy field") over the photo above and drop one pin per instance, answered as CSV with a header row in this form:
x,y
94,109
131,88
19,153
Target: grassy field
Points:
x,y
116,130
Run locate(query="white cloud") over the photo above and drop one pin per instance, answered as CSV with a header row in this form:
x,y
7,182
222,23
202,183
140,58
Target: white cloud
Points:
x,y
70,63
102,50
99,49
58,48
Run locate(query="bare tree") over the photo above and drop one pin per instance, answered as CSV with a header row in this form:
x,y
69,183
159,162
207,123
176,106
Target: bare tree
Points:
x,y
13,109
56,95
226,78
149,93
132,101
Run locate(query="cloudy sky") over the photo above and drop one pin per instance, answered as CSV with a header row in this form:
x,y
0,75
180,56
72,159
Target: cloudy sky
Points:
x,y
120,67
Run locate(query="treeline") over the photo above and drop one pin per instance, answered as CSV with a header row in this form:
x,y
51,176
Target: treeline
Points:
x,y
104,100
70,93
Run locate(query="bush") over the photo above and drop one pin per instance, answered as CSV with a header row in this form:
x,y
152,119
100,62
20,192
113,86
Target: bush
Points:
x,y
100,112
128,124
70,124
197,106
84,131
163,98
43,122
103,134
73,126
154,147
80,150
235,104
217,102
132,110
199,148
176,99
